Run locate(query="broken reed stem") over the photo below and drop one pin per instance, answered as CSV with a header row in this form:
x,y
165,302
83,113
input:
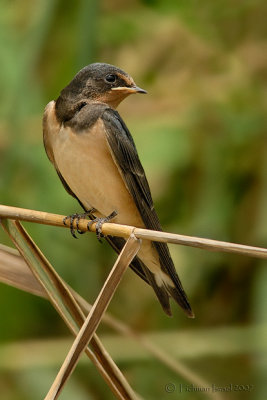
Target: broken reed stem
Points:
x,y
95,315
60,296
15,272
125,231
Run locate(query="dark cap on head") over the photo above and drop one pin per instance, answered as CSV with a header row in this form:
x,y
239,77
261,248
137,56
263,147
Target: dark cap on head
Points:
x,y
98,82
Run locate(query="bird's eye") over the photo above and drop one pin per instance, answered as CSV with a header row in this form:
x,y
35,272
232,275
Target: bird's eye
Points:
x,y
110,78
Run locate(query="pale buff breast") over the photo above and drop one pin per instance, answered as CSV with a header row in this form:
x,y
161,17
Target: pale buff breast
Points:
x,y
86,164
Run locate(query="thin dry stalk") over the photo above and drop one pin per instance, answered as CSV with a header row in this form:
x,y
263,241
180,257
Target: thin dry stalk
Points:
x,y
125,231
17,273
62,299
94,317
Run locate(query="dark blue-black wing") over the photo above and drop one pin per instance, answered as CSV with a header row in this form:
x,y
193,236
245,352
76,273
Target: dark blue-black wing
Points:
x,y
126,157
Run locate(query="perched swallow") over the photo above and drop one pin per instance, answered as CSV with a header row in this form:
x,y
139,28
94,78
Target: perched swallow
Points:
x,y
96,159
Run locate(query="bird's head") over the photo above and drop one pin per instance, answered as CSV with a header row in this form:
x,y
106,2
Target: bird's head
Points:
x,y
100,82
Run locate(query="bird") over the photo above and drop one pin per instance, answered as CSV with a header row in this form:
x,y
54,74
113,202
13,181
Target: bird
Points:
x,y
96,159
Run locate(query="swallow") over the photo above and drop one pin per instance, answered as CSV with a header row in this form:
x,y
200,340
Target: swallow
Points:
x,y
96,159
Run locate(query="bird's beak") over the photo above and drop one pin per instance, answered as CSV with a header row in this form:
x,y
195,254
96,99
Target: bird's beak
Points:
x,y
129,90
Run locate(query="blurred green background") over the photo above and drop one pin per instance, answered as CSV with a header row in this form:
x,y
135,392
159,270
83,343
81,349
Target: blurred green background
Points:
x,y
201,135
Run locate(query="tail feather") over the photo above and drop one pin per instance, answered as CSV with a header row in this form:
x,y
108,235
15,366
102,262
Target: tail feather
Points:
x,y
164,291
160,291
176,290
179,296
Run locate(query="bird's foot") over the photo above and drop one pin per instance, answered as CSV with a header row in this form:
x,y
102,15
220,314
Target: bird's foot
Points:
x,y
99,223
75,218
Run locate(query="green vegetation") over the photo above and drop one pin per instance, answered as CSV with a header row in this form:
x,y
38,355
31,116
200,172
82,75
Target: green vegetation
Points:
x,y
201,135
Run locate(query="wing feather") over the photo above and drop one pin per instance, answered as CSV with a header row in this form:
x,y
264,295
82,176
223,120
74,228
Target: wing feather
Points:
x,y
126,157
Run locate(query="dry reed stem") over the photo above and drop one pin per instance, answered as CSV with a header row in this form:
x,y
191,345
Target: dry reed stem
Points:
x,y
93,319
125,231
15,272
99,356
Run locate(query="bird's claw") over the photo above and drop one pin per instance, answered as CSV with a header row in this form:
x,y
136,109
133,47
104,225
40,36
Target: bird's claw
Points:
x,y
76,218
99,223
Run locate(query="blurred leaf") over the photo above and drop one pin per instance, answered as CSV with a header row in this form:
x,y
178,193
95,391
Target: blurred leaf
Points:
x,y
181,344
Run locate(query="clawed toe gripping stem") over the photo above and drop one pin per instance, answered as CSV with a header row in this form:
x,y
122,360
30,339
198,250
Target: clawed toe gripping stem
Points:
x,y
99,223
77,217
